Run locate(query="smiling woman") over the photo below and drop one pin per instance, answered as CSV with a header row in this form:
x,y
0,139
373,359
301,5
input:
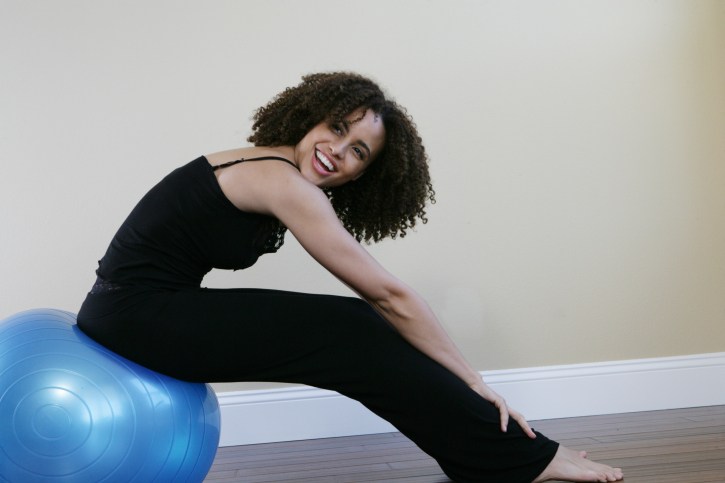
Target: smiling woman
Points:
x,y
336,152
386,349
395,189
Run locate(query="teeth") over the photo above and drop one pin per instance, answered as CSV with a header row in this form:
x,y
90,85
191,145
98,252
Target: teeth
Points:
x,y
326,162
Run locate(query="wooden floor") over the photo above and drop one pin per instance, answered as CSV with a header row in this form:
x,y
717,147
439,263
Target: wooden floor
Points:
x,y
676,446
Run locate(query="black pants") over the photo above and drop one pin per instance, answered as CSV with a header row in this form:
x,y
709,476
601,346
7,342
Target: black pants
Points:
x,y
336,343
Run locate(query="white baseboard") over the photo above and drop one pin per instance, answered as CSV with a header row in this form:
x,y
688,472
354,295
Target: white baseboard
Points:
x,y
288,414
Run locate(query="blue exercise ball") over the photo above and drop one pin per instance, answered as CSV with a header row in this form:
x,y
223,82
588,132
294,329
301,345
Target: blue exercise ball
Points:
x,y
73,411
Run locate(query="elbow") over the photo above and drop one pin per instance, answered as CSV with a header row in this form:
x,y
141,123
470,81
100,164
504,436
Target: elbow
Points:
x,y
393,302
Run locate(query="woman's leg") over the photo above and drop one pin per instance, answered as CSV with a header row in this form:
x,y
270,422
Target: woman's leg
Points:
x,y
336,343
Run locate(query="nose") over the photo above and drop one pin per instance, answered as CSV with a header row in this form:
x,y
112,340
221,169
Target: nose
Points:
x,y
337,149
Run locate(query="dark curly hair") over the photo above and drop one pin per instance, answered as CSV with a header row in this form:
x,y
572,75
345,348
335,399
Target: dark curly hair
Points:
x,y
392,195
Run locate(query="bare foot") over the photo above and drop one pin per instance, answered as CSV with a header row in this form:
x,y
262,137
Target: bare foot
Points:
x,y
570,465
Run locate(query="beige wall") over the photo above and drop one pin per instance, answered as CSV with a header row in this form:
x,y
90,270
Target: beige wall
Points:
x,y
577,151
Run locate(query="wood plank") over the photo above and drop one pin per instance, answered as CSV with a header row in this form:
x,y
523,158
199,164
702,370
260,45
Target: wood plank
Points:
x,y
676,446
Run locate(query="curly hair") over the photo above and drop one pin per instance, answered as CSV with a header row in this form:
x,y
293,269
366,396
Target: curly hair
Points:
x,y
392,195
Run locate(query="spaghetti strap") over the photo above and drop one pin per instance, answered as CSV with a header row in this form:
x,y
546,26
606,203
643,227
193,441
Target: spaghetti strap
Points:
x,y
259,158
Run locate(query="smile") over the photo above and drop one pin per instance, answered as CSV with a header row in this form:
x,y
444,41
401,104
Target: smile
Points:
x,y
324,161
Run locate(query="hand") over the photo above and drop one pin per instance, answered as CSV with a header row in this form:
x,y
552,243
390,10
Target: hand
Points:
x,y
506,412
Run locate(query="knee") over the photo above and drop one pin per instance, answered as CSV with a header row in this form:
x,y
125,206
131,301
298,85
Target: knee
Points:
x,y
354,323
363,321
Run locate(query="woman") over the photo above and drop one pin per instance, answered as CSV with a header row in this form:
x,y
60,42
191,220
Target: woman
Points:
x,y
336,163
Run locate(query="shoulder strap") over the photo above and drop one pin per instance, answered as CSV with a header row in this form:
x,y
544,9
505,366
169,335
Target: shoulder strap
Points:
x,y
259,158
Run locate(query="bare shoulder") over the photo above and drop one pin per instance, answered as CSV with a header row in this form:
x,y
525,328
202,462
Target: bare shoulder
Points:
x,y
263,186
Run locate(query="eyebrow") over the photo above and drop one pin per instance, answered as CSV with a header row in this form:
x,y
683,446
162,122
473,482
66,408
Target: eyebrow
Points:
x,y
365,146
362,143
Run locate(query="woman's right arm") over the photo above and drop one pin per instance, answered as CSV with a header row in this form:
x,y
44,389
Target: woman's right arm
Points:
x,y
307,213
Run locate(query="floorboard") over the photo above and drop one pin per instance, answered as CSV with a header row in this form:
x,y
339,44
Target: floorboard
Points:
x,y
674,446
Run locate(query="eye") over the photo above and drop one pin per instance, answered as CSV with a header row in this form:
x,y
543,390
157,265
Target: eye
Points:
x,y
336,128
358,152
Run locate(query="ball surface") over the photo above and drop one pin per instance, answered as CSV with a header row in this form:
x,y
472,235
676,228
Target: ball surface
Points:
x,y
73,411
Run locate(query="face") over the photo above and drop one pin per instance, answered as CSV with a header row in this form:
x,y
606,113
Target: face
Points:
x,y
334,153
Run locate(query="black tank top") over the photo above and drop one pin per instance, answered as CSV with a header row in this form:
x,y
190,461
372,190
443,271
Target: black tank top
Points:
x,y
182,228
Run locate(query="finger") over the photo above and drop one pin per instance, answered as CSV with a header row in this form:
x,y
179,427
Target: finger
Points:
x,y
527,429
503,410
519,418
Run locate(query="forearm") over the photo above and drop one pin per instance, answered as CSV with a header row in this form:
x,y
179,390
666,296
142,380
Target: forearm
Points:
x,y
416,322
